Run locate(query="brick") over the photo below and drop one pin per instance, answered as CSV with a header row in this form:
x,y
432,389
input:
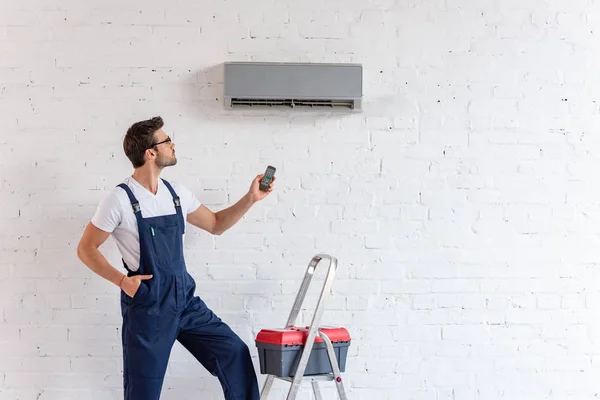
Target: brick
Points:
x,y
93,334
231,272
256,287
239,241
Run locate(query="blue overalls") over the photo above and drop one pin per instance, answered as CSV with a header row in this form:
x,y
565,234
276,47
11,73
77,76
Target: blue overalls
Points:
x,y
164,309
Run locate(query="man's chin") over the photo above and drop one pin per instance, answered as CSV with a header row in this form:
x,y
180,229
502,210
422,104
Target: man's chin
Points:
x,y
168,164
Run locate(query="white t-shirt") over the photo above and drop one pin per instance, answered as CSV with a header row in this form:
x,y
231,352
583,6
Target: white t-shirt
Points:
x,y
115,214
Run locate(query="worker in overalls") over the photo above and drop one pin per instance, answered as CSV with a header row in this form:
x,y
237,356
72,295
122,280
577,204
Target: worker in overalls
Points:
x,y
146,216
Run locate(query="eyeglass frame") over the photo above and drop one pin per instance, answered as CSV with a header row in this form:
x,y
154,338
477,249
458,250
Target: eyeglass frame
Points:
x,y
167,140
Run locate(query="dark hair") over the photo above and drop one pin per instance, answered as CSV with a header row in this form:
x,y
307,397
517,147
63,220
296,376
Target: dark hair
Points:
x,y
139,138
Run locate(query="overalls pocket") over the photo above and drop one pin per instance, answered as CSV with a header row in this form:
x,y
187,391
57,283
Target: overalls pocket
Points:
x,y
141,299
141,316
164,244
140,293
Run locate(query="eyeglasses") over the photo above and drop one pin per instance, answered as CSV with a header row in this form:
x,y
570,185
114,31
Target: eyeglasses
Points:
x,y
167,140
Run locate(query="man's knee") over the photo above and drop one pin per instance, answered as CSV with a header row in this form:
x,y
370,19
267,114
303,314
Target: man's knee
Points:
x,y
239,346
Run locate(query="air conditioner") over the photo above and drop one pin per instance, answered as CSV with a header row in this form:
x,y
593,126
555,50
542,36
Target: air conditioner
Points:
x,y
270,84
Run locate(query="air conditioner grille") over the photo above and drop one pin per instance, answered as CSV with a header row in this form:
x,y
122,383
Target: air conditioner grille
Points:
x,y
292,103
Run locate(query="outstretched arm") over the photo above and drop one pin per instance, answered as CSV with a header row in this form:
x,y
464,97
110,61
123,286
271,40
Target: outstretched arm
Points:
x,y
219,222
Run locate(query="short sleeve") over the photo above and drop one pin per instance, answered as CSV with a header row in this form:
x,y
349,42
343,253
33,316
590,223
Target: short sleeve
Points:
x,y
189,202
108,214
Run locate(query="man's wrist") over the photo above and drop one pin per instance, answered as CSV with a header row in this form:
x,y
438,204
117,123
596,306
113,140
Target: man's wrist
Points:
x,y
250,200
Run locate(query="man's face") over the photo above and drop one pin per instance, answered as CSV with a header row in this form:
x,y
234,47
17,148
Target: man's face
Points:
x,y
165,150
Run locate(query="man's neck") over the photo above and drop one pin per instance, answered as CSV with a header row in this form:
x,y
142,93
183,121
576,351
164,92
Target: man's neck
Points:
x,y
147,177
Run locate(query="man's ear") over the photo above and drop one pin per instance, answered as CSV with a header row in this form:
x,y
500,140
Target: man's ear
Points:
x,y
149,153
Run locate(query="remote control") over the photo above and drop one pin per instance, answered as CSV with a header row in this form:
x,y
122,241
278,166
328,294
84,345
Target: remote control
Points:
x,y
267,178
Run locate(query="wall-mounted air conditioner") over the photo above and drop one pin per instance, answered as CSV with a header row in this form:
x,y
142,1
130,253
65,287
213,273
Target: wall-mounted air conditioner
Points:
x,y
268,84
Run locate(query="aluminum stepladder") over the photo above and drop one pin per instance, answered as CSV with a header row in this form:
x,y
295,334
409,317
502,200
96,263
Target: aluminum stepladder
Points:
x,y
296,381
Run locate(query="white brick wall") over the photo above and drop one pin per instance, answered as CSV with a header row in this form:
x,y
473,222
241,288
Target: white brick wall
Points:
x,y
462,203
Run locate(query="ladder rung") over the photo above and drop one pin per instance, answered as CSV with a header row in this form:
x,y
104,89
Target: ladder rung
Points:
x,y
312,378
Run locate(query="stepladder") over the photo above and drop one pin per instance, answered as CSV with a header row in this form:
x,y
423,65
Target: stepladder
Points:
x,y
313,353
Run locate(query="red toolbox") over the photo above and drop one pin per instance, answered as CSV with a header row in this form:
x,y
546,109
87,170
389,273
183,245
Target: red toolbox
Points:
x,y
279,350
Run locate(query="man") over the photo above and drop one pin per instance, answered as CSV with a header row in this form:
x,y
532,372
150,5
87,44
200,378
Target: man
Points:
x,y
145,215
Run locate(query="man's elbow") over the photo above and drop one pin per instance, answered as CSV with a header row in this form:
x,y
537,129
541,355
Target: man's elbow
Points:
x,y
216,229
80,251
83,251
217,232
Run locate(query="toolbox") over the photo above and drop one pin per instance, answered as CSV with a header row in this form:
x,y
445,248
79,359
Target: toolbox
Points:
x,y
279,350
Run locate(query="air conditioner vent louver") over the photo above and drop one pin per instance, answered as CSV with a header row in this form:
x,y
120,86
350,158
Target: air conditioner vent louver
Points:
x,y
292,103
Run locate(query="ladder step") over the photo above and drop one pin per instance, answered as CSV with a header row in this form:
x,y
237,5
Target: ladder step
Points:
x,y
310,378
